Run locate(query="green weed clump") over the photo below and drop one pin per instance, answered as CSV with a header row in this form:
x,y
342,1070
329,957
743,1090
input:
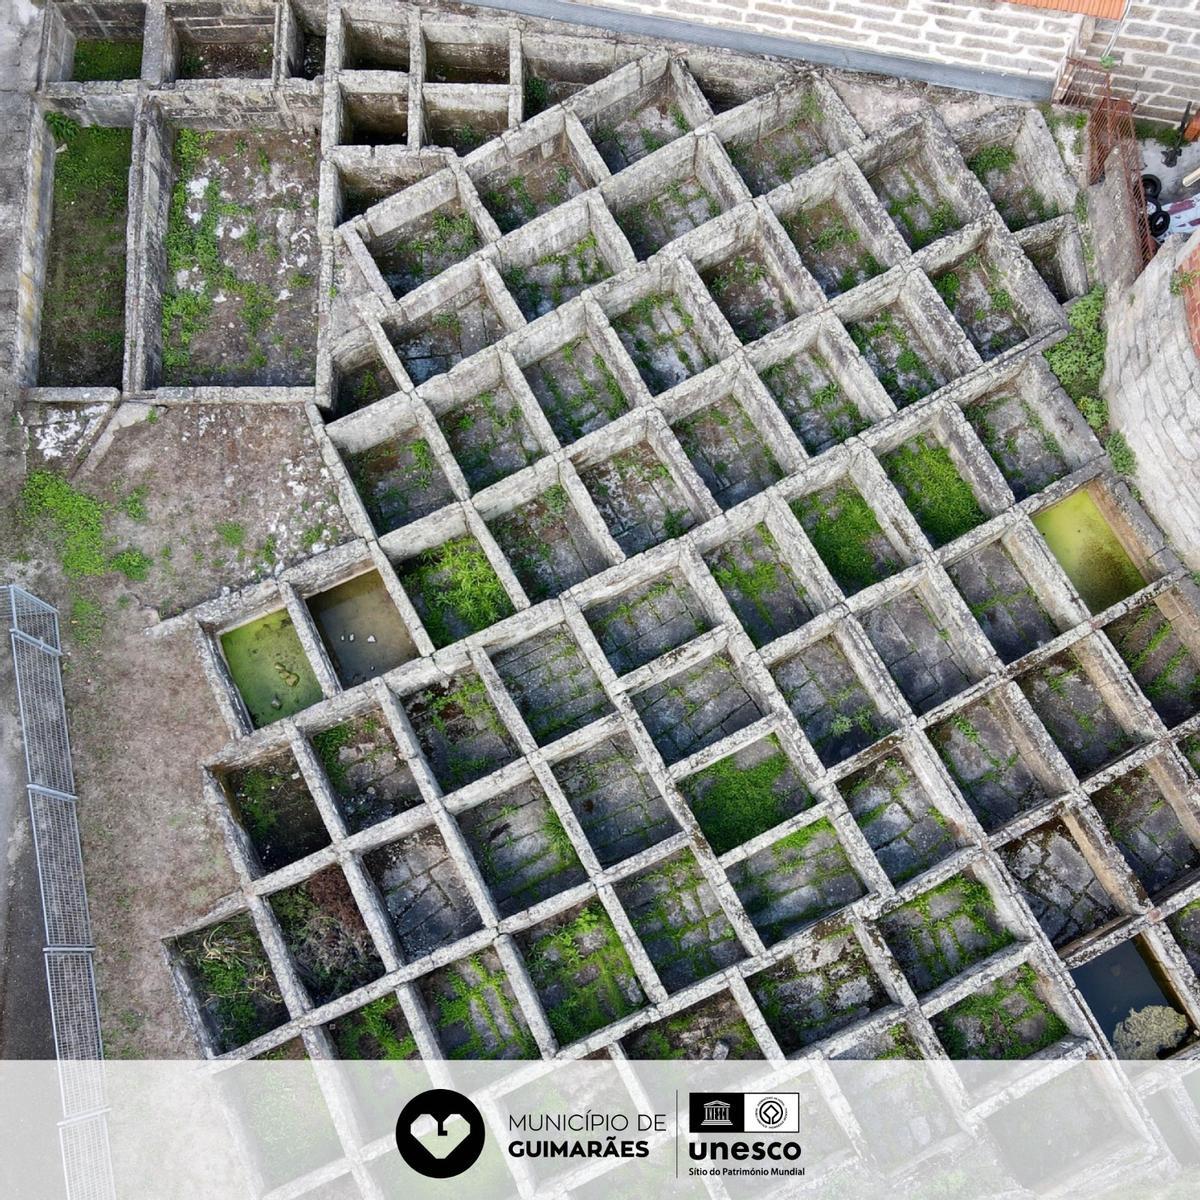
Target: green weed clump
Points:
x,y
86,620
94,167
992,158
456,581
1095,411
134,564
1167,136
948,286
75,523
235,981
1182,280
134,504
328,745
1120,454
232,533
1078,360
371,1033
843,531
537,96
734,804
941,500
478,1000
584,960
107,60
185,313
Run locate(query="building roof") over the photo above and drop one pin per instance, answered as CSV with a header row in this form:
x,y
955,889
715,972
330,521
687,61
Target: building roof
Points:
x,y
1111,10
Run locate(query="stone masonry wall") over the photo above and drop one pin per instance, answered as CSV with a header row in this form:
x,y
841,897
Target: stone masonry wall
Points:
x,y
1151,46
1152,380
1191,294
990,36
1154,50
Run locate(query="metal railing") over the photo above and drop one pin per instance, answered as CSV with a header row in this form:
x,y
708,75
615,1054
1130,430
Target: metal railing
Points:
x,y
70,971
1088,86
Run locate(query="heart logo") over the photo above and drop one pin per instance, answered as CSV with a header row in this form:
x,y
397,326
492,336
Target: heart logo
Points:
x,y
453,1146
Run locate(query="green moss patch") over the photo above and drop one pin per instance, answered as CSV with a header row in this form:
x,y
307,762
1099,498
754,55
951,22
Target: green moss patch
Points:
x,y
940,933
455,590
75,522
460,731
796,880
847,535
474,1011
807,997
680,922
83,305
376,1031
581,972
109,60
761,585
745,794
1011,1019
940,499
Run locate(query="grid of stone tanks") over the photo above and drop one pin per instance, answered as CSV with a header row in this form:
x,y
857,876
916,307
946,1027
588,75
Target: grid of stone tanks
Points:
x,y
700,446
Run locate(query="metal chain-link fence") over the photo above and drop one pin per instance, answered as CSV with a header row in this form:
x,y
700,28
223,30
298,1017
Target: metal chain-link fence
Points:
x,y
70,972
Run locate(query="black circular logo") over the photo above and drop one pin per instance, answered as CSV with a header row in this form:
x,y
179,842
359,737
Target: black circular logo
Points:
x,y
770,1112
441,1104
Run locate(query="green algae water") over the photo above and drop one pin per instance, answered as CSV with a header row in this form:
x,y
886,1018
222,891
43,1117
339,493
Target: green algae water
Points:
x,y
1088,550
269,668
361,629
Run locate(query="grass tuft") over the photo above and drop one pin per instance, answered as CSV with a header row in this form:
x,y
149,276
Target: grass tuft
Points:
x,y
941,500
842,530
458,586
106,60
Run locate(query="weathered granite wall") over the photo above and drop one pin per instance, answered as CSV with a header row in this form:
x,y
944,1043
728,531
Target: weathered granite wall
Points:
x,y
20,35
1152,381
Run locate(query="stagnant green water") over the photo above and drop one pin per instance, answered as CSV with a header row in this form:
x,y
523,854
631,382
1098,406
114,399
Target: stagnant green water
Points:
x,y
1090,553
269,668
361,629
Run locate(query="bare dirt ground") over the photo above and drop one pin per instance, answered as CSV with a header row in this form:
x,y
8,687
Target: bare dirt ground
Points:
x,y
229,495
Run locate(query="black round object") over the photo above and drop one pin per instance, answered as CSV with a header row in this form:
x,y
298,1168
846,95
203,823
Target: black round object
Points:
x,y
440,1104
1152,186
1160,222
